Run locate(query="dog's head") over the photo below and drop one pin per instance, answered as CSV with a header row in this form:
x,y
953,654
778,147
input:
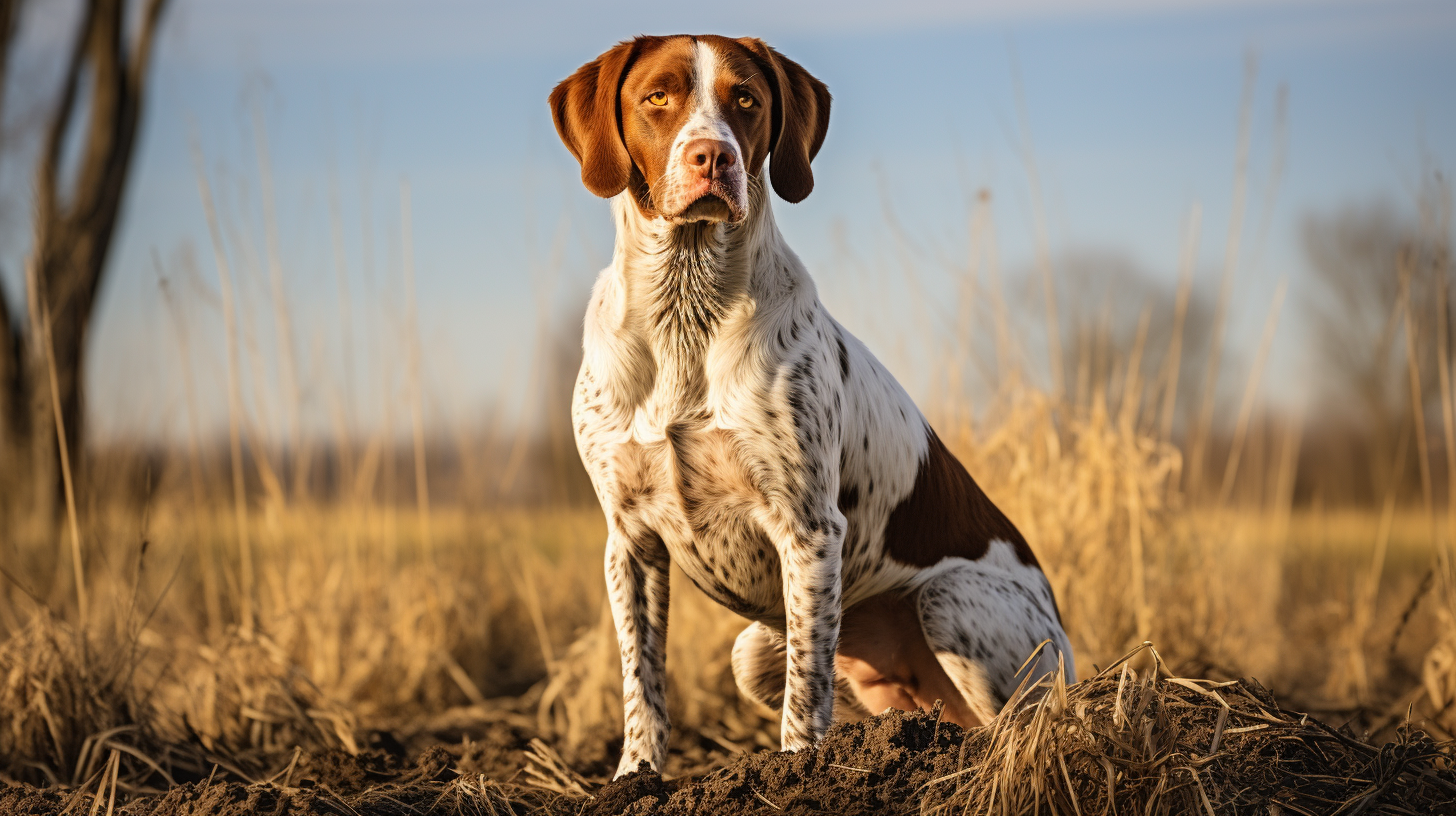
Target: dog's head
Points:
x,y
684,121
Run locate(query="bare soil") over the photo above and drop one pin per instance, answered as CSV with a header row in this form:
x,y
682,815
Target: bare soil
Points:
x,y
1171,751
882,765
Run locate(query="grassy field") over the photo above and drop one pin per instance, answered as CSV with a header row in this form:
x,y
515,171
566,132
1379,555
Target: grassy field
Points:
x,y
339,622
229,607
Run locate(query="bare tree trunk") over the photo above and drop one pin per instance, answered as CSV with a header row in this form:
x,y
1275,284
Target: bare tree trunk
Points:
x,y
14,408
73,228
14,414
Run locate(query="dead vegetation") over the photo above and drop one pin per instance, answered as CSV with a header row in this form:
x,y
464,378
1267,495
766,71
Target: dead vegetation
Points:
x,y
1150,742
1129,740
275,623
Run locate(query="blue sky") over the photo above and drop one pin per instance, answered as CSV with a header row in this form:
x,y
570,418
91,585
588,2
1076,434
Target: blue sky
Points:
x,y
1130,110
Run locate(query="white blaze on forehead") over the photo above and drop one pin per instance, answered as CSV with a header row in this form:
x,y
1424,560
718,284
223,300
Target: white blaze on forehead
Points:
x,y
705,75
706,120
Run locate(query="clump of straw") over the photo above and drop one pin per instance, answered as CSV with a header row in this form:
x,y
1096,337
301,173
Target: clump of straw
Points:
x,y
63,701
1147,742
245,700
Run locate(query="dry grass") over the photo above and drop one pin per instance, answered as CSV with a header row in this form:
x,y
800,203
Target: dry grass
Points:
x,y
65,696
357,626
231,621
1143,740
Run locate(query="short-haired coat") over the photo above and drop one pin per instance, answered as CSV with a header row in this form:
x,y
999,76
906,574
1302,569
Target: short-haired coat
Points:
x,y
732,427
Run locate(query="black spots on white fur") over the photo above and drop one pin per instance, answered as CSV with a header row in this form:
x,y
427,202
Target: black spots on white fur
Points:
x,y
797,379
843,359
800,372
719,591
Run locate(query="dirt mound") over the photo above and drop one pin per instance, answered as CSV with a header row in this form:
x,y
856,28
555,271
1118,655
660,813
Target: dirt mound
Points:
x,y
878,766
1123,742
1168,752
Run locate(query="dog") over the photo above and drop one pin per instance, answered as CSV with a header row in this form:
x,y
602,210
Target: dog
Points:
x,y
731,427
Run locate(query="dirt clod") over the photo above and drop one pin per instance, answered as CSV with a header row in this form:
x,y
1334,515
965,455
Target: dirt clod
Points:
x,y
642,792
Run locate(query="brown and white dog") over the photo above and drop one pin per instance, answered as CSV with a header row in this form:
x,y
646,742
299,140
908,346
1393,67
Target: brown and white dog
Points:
x,y
732,427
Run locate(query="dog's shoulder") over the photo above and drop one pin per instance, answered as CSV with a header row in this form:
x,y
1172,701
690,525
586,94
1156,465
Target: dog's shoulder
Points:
x,y
617,365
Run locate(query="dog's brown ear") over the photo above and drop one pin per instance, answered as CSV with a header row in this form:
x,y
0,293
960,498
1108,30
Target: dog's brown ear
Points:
x,y
584,108
800,120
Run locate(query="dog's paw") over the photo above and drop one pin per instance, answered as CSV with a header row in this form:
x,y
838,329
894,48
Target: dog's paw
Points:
x,y
632,764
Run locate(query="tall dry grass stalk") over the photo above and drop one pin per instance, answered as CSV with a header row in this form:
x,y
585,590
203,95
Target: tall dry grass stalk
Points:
x,y
1186,260
1198,445
416,376
244,595
298,442
43,313
1251,394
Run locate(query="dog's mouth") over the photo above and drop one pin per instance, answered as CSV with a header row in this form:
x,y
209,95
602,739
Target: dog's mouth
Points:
x,y
716,205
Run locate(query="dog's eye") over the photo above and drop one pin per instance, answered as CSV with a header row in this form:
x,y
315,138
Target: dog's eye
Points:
x,y
745,101
659,99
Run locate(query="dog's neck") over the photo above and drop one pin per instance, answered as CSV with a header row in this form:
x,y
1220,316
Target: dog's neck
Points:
x,y
682,281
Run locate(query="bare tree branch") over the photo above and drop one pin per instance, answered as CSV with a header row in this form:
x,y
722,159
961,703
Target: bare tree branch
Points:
x,y
48,169
141,57
8,12
13,414
12,340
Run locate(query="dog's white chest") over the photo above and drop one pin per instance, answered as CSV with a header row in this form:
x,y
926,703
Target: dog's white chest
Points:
x,y
700,487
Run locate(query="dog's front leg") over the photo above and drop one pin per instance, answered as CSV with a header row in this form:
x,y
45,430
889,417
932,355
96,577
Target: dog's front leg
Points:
x,y
811,568
637,587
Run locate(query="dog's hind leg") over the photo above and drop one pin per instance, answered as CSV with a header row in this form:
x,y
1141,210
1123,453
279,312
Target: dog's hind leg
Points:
x,y
983,621
760,665
760,668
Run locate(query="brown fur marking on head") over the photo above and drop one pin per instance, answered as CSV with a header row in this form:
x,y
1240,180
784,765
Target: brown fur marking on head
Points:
x,y
947,514
801,120
584,109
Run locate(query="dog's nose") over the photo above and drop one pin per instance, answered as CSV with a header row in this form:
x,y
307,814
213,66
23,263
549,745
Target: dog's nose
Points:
x,y
708,157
